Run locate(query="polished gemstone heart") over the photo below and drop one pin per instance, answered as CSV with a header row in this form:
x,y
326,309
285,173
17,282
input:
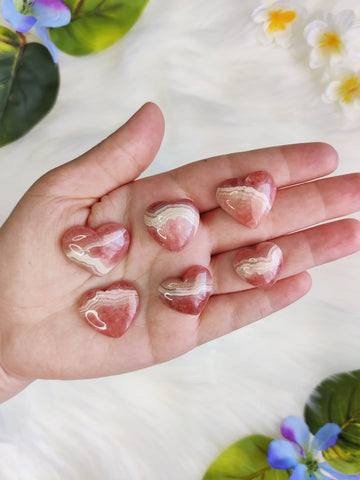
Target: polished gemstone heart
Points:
x,y
260,266
110,311
190,293
172,224
100,250
247,199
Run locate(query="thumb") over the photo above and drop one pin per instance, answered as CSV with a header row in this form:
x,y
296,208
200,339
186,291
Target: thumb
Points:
x,y
115,161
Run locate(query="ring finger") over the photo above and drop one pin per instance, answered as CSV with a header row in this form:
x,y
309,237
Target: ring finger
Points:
x,y
301,251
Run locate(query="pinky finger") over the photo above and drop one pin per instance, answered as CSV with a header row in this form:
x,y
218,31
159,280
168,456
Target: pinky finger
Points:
x,y
231,311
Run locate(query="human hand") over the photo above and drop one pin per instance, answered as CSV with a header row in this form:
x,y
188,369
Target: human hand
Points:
x,y
42,334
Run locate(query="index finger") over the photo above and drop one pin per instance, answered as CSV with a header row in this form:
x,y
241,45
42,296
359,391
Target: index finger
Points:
x,y
288,164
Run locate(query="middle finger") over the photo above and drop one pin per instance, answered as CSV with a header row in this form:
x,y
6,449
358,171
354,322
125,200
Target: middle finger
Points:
x,y
295,208
301,251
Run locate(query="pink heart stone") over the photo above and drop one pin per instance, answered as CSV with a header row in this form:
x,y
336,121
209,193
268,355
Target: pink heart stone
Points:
x,y
110,311
172,224
100,250
190,293
247,199
260,266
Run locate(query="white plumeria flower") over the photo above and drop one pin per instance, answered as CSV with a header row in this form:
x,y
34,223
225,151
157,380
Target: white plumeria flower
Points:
x,y
280,21
345,90
330,37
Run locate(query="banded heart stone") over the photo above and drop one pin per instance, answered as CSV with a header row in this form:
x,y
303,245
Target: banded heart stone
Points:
x,y
172,224
260,266
110,311
190,293
99,250
247,199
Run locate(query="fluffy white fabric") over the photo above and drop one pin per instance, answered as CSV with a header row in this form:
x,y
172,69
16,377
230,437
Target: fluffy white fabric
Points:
x,y
220,91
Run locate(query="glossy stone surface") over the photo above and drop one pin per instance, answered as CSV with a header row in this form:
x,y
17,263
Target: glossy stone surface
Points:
x,y
99,250
190,293
261,265
172,224
110,311
247,199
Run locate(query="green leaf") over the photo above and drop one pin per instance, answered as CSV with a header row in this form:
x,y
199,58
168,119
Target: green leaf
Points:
x,y
96,24
245,460
337,400
29,82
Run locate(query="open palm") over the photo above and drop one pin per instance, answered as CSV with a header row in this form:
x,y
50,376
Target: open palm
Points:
x,y
42,333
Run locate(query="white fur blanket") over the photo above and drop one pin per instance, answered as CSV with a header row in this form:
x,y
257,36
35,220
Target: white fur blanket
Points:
x,y
220,91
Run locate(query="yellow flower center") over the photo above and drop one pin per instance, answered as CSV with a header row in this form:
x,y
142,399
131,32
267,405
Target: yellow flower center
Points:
x,y
331,41
350,89
278,20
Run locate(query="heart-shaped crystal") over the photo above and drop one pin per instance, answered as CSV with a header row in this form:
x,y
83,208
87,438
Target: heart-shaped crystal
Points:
x,y
190,293
260,266
172,224
99,250
247,199
110,311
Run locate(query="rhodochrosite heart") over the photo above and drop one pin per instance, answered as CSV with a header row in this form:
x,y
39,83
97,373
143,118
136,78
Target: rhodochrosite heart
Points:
x,y
172,224
190,293
110,311
260,266
247,199
100,250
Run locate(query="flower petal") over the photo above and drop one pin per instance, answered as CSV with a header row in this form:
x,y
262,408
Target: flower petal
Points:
x,y
51,13
299,472
21,23
283,455
295,429
313,31
44,37
284,41
316,60
260,14
331,93
336,474
326,437
344,20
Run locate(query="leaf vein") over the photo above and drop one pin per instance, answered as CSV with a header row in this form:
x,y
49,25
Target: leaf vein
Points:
x,y
15,66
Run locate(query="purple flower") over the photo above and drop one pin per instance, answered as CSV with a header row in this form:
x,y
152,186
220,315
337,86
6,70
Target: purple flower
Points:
x,y
299,453
24,15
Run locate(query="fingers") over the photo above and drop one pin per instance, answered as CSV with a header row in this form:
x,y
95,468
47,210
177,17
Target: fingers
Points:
x,y
117,160
301,251
228,312
288,165
294,209
198,181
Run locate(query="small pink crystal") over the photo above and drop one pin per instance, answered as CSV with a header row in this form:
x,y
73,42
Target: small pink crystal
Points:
x,y
190,293
110,311
99,250
247,199
260,266
172,224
